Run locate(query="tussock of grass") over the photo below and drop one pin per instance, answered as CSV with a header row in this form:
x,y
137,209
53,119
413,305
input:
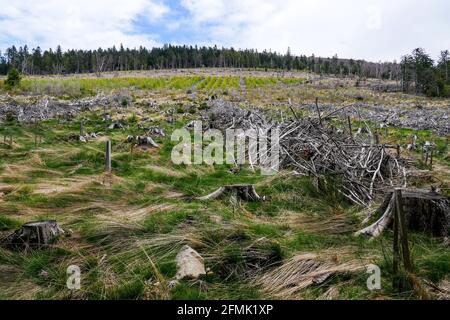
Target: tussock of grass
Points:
x,y
7,223
301,272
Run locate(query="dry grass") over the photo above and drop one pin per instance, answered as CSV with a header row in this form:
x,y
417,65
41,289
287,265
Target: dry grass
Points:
x,y
300,272
128,226
72,185
333,224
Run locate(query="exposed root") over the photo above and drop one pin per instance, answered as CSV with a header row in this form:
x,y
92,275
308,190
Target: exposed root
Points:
x,y
377,228
242,191
425,211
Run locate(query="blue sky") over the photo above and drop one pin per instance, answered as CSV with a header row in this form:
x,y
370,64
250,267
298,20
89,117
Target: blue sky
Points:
x,y
372,29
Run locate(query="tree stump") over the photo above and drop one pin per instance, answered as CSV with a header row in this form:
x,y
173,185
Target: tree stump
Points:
x,y
34,235
244,192
425,211
142,141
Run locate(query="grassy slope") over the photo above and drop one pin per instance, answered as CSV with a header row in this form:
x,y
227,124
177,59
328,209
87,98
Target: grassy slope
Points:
x,y
128,228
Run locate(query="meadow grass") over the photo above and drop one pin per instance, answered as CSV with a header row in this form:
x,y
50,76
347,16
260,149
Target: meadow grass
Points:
x,y
74,87
128,228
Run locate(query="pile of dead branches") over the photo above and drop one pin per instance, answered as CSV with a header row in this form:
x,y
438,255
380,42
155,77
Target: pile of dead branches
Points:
x,y
361,168
315,147
49,108
225,115
418,118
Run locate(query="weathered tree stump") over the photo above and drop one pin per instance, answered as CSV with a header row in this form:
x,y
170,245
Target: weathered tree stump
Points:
x,y
34,235
115,125
142,141
146,141
425,211
244,192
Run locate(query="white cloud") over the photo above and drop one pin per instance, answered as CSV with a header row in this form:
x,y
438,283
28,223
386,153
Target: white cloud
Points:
x,y
76,24
374,14
372,29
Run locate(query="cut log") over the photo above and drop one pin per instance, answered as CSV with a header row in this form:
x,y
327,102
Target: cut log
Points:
x,y
425,211
244,192
34,235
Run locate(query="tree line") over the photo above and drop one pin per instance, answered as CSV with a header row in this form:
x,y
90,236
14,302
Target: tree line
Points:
x,y
416,73
39,62
421,75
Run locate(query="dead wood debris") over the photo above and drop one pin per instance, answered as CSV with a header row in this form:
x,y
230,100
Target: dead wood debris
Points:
x,y
322,151
435,119
142,141
426,211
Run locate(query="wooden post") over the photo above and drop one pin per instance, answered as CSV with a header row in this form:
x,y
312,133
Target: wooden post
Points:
x,y
377,138
318,110
350,131
431,160
10,138
108,157
398,151
403,230
81,128
35,140
396,254
293,111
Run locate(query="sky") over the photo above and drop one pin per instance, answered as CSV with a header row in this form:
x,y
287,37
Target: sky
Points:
x,y
375,30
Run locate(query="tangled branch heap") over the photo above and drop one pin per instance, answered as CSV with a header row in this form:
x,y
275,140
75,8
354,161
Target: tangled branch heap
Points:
x,y
317,148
